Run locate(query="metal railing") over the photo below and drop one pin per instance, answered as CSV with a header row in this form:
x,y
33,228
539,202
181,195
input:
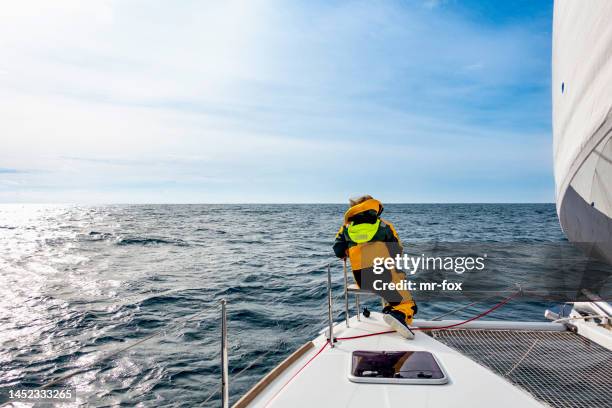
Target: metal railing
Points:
x,y
224,361
357,291
330,312
224,356
346,299
348,289
354,289
330,331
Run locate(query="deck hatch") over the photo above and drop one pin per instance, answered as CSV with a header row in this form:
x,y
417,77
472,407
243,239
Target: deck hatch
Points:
x,y
393,367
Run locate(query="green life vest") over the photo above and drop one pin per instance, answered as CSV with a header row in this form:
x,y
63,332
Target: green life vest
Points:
x,y
361,233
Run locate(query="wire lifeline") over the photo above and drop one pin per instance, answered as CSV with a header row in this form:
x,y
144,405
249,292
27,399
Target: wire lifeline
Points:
x,y
464,307
483,314
121,350
153,335
235,377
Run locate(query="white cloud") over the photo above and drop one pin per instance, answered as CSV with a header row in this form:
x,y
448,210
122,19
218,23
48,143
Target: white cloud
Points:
x,y
106,96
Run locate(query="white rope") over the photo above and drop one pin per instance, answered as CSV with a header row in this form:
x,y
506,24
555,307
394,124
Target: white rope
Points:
x,y
215,392
522,358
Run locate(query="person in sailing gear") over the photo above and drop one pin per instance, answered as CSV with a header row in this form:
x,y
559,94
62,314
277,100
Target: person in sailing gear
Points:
x,y
363,237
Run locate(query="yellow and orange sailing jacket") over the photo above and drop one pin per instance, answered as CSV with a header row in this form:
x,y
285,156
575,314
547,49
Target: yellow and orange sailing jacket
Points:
x,y
363,234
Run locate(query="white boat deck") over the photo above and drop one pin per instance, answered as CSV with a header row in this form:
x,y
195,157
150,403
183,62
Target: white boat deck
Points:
x,y
324,381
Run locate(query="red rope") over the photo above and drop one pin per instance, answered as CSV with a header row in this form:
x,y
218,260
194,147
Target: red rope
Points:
x,y
497,306
297,372
364,335
486,312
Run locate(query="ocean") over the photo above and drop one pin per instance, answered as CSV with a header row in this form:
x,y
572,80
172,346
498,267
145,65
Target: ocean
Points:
x,y
78,283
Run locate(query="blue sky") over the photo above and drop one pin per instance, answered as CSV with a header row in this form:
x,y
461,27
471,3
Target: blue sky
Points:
x,y
270,101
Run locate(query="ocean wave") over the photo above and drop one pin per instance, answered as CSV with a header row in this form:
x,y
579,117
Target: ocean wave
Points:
x,y
98,236
245,241
215,231
268,262
150,241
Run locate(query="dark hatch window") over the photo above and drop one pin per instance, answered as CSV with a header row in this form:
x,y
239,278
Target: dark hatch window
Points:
x,y
420,366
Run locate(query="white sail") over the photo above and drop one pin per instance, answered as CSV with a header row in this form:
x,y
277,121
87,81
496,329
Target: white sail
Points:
x,y
582,120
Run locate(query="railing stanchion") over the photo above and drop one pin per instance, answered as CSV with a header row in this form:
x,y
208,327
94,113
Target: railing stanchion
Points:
x,y
224,362
346,299
329,307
